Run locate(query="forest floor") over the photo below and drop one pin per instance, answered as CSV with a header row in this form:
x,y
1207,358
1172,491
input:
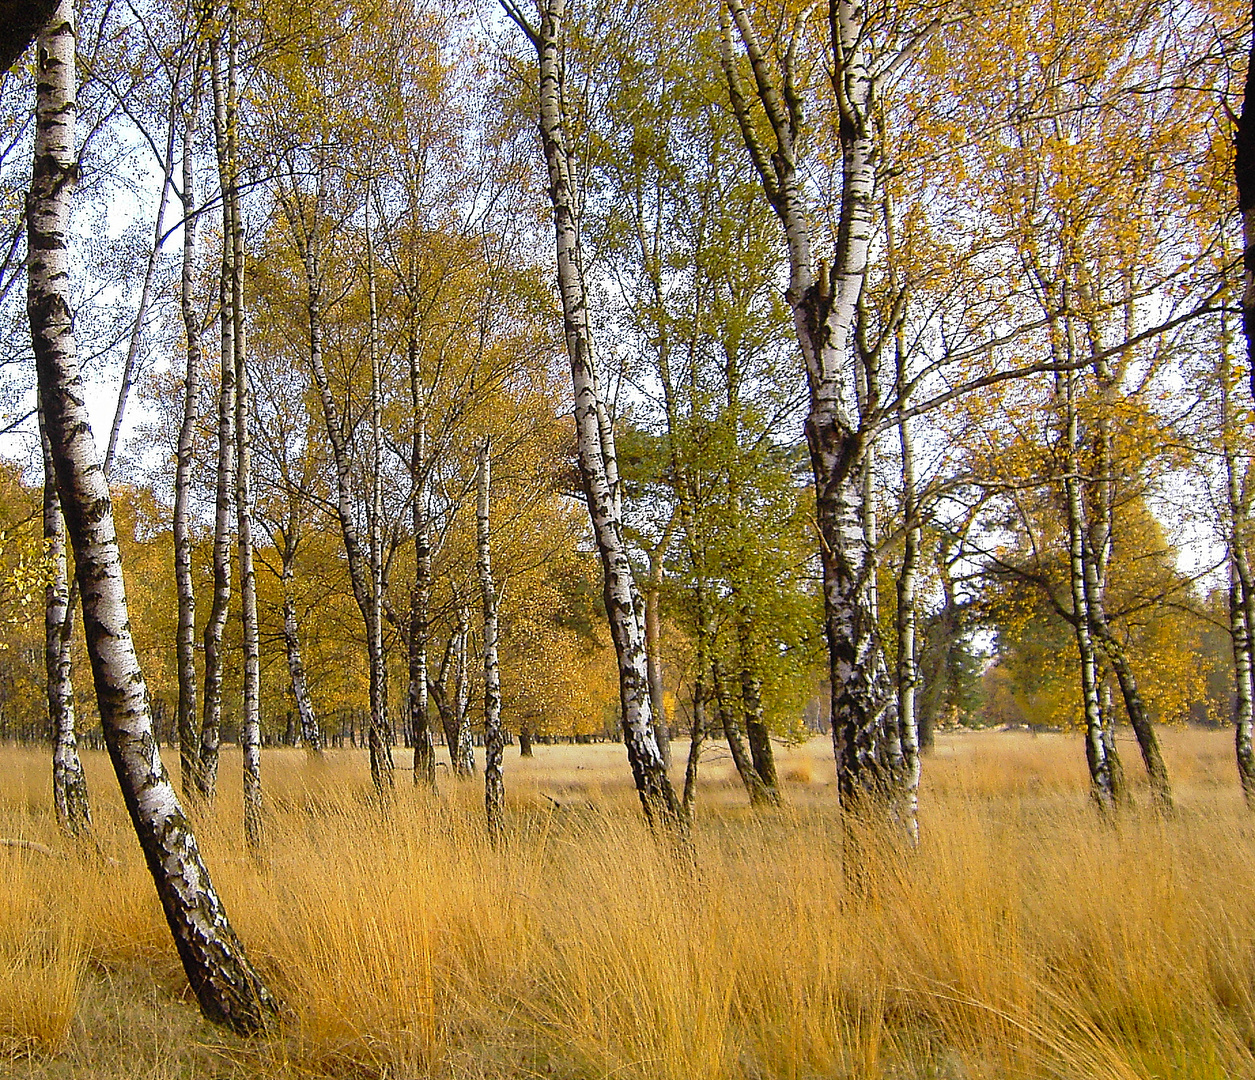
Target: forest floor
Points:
x,y
1024,937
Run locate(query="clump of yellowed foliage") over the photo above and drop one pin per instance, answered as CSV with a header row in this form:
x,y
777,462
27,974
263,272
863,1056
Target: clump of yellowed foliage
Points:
x,y
1024,938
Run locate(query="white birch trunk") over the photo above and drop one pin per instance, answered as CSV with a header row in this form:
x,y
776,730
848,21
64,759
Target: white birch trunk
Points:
x,y
228,989
1241,581
185,636
494,736
250,722
653,650
379,736
211,718
420,596
594,441
908,674
824,303
462,695
311,730
69,784
1101,787
908,661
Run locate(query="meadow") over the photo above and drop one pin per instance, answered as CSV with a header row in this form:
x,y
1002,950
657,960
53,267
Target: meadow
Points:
x,y
1024,938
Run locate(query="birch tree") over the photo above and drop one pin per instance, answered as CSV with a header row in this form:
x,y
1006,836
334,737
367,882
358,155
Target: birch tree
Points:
x,y
594,435
185,641
69,783
494,736
823,296
228,989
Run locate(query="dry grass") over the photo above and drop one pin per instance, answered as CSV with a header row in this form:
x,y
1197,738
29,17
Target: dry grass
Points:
x,y
1023,939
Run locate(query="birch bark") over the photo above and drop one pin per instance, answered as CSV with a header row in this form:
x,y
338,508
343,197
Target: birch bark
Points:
x,y
420,596
250,723
228,989
185,635
69,784
462,694
824,301
379,735
311,731
1241,580
1101,787
1242,606
594,439
653,646
1244,174
211,717
494,737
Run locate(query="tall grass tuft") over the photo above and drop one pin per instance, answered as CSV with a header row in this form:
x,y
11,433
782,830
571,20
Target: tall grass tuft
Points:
x,y
1024,938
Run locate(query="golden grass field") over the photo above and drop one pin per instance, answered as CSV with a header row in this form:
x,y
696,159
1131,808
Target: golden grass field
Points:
x,y
1024,938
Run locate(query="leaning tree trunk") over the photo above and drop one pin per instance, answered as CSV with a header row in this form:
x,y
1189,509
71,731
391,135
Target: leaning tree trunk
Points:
x,y
594,438
1091,612
762,758
439,693
766,788
211,716
69,783
185,636
228,989
824,301
1135,707
494,737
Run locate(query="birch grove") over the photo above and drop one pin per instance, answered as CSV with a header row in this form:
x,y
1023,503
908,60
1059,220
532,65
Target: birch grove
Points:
x,y
704,379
